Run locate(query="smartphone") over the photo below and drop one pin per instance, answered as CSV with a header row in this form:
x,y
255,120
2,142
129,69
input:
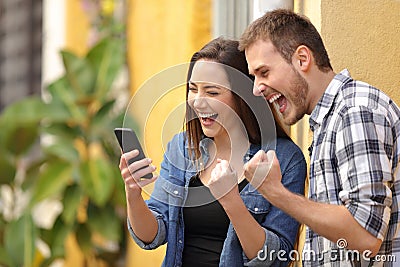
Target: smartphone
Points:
x,y
129,141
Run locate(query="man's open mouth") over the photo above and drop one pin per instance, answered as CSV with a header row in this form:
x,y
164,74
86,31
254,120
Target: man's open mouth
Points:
x,y
279,101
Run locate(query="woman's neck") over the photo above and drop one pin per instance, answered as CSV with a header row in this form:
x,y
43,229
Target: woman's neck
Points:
x,y
231,146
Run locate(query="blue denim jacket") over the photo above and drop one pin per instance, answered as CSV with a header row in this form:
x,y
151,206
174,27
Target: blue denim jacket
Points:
x,y
170,192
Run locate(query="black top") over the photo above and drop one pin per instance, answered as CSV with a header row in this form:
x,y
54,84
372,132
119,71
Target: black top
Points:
x,y
206,226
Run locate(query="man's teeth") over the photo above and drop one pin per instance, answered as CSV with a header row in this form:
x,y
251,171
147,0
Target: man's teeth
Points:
x,y
275,97
207,115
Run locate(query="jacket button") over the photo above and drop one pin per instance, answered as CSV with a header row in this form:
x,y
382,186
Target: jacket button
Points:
x,y
176,192
255,209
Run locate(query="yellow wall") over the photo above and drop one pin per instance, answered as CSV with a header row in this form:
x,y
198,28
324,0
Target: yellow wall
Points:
x,y
364,36
77,27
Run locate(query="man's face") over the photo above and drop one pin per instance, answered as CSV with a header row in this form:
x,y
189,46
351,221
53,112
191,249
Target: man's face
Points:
x,y
276,80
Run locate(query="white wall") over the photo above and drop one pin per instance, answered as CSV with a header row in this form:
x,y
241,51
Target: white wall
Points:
x,y
53,39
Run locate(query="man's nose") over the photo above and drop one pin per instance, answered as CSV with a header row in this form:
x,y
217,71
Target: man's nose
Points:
x,y
258,89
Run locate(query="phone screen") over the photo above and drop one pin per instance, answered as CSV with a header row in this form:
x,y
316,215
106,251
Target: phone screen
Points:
x,y
129,141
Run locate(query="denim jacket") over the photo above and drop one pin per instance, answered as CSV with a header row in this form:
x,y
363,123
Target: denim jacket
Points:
x,y
171,189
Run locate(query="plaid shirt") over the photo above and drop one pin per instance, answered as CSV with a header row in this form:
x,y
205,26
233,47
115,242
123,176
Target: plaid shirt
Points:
x,y
355,162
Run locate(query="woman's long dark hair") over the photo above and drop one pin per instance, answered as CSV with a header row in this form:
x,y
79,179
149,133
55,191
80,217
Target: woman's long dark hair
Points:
x,y
226,52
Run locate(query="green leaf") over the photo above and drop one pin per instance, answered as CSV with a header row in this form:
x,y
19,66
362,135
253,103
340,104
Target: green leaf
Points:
x,y
118,196
8,170
30,110
83,237
79,73
52,180
61,84
62,130
19,237
5,259
21,138
100,125
102,116
71,200
105,222
19,125
63,103
32,173
61,91
106,136
107,58
97,180
55,237
63,150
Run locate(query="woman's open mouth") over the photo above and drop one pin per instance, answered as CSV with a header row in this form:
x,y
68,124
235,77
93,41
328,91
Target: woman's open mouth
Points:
x,y
207,119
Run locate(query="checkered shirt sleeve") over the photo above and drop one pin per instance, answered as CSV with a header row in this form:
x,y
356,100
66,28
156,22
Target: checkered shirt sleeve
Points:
x,y
363,149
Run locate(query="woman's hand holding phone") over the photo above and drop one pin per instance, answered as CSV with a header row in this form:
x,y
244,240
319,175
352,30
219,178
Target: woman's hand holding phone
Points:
x,y
133,164
132,173
129,141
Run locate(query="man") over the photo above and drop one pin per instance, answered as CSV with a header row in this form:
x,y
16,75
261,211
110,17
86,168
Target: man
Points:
x,y
352,211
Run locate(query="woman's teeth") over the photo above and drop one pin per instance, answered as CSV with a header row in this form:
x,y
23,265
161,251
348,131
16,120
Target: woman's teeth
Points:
x,y
275,97
207,115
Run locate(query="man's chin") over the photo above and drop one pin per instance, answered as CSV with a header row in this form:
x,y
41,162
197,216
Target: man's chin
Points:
x,y
291,120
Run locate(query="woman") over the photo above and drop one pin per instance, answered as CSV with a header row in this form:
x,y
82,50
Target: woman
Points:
x,y
202,206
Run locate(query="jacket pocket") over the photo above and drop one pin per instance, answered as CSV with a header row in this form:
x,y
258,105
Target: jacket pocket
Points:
x,y
257,205
167,192
174,192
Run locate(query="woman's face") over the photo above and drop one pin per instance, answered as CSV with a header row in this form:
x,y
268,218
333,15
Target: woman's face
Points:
x,y
211,98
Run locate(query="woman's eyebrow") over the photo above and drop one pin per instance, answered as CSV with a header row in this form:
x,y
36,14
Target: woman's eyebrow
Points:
x,y
212,86
207,86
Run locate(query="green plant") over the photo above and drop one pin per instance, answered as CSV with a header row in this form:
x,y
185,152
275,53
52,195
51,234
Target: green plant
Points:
x,y
62,151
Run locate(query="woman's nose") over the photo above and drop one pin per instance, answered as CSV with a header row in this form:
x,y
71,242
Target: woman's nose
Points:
x,y
199,101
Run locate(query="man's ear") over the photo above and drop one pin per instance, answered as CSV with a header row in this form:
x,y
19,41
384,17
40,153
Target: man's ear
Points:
x,y
302,58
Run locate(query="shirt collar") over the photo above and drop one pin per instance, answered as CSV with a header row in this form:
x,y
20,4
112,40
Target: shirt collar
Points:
x,y
326,101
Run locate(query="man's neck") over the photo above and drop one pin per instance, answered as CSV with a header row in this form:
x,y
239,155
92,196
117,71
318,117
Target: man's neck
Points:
x,y
318,83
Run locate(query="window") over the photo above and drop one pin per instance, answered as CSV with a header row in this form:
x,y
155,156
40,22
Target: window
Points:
x,y
20,49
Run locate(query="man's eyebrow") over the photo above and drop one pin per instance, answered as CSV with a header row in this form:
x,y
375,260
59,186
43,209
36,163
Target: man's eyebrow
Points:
x,y
260,66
